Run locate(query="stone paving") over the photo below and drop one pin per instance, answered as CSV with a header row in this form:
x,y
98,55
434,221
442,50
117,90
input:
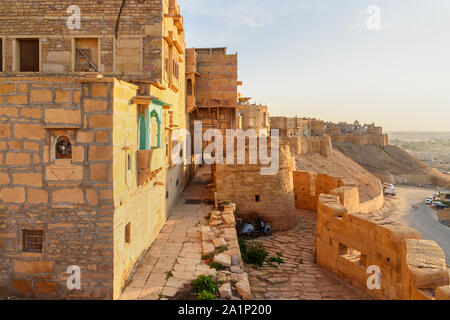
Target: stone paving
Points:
x,y
177,252
298,278
175,258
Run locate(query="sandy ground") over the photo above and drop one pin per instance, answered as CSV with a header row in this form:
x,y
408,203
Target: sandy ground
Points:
x,y
409,208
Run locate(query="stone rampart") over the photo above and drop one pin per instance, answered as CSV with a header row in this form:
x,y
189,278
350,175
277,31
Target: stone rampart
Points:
x,y
354,246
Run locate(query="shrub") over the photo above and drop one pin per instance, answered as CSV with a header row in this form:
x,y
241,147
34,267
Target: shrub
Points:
x,y
205,295
217,266
253,253
204,283
278,260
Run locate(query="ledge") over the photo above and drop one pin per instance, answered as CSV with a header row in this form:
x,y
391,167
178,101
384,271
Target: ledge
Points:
x,y
61,126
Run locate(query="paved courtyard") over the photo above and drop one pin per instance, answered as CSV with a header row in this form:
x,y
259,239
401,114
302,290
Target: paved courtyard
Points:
x,y
298,278
175,259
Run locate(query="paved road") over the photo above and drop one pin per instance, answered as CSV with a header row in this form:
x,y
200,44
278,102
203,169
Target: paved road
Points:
x,y
424,218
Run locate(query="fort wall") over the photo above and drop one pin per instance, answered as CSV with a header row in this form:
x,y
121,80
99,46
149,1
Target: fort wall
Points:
x,y
311,144
348,244
309,186
271,196
381,140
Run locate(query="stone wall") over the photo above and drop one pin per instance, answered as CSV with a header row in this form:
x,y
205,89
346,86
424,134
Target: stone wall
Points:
x,y
311,144
309,186
217,84
271,196
148,41
381,140
347,244
297,127
85,205
71,201
254,116
139,29
139,204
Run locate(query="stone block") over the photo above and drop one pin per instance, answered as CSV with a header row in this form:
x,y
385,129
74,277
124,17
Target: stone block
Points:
x,y
219,242
22,286
223,259
100,153
64,172
29,131
207,248
68,195
28,178
13,195
236,269
99,91
33,267
10,112
225,291
98,172
17,159
17,99
229,219
45,288
34,113
59,56
7,88
95,105
62,96
5,130
41,96
207,234
37,196
243,288
85,136
62,116
101,121
443,293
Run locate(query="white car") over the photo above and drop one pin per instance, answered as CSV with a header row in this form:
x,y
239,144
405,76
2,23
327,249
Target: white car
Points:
x,y
390,189
429,201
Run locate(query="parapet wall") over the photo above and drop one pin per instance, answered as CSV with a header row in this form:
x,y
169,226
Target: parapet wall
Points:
x,y
309,186
348,244
381,140
311,144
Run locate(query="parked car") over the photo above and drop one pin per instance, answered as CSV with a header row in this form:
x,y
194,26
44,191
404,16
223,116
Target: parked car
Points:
x,y
390,189
436,203
429,201
442,206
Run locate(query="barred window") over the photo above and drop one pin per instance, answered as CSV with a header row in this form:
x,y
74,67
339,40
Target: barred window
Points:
x,y
33,240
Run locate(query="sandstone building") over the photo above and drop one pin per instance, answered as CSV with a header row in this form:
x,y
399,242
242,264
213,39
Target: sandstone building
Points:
x,y
357,133
86,174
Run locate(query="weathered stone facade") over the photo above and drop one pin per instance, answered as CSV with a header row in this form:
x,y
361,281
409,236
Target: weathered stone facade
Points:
x,y
271,196
297,127
102,204
367,134
252,116
216,93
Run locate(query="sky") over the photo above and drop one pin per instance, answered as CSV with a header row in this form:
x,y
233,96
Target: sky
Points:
x,y
318,58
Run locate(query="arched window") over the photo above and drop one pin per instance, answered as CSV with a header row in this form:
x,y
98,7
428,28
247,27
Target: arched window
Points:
x,y
155,129
150,130
63,148
189,88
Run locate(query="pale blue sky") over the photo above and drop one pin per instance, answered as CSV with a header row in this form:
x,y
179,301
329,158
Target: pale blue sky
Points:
x,y
317,58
